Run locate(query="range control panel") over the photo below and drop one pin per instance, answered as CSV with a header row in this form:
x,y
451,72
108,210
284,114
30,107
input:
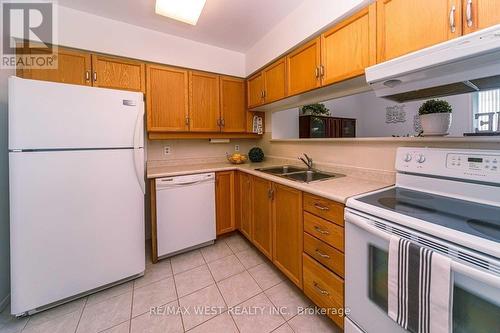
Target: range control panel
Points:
x,y
483,165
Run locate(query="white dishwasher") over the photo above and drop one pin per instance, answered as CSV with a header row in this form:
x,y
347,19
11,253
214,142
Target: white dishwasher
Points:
x,y
185,212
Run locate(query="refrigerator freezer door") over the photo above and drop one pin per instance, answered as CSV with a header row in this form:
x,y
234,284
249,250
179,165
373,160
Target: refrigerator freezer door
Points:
x,y
48,115
77,223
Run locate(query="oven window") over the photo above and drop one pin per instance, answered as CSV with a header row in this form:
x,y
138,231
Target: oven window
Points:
x,y
378,275
471,313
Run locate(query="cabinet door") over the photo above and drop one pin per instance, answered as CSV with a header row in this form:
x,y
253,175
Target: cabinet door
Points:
x,y
204,108
255,90
224,188
349,47
302,66
262,215
118,73
275,81
288,232
232,103
167,99
74,67
246,205
404,26
480,14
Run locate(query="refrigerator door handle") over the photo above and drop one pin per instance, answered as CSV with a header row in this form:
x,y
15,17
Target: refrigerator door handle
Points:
x,y
138,160
138,131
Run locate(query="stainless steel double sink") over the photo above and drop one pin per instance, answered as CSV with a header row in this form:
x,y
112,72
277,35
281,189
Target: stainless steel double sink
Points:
x,y
299,174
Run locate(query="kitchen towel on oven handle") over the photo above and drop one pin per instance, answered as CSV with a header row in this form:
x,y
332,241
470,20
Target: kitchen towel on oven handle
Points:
x,y
420,287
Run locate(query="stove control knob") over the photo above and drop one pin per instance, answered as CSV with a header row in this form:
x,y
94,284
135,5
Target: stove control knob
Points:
x,y
407,157
421,158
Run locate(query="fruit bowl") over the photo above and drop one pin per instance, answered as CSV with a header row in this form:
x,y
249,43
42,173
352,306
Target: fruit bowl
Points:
x,y
236,158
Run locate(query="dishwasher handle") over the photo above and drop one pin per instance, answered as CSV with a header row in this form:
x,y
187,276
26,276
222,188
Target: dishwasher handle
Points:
x,y
166,183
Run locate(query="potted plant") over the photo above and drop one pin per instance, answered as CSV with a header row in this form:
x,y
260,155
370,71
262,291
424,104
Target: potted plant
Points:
x,y
435,117
318,109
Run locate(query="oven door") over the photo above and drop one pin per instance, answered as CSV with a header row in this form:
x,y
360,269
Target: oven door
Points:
x,y
476,292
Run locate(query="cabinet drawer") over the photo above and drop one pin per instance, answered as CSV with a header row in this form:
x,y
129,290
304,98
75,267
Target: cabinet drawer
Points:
x,y
324,288
327,209
324,253
326,231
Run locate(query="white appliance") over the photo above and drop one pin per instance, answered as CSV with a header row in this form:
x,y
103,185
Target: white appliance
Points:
x,y
445,200
185,212
76,167
465,64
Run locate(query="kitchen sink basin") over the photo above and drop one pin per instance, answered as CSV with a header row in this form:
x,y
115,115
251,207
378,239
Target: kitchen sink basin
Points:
x,y
298,174
282,170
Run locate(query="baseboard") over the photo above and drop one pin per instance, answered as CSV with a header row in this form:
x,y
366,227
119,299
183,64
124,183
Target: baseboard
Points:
x,y
4,303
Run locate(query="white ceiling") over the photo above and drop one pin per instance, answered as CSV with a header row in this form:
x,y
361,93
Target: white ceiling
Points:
x,y
231,24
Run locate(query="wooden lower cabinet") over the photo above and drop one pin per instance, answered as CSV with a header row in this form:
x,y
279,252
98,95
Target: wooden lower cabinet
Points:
x,y
324,288
287,231
225,197
245,198
262,231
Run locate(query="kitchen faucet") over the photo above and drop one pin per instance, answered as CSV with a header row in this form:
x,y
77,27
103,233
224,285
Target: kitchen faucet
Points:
x,y
307,161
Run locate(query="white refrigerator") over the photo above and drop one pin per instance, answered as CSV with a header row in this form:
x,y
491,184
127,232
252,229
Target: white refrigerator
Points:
x,y
76,170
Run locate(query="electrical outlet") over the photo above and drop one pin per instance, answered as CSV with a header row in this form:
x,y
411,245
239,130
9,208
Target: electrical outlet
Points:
x,y
167,150
236,147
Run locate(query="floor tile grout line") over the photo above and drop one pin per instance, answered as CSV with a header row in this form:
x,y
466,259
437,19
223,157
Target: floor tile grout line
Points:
x,y
131,309
81,314
177,297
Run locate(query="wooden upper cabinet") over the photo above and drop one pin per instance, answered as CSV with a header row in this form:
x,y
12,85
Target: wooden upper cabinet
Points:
x,y
232,105
288,232
349,47
118,73
262,215
224,189
204,108
246,204
404,26
74,67
255,90
302,66
167,99
480,14
275,81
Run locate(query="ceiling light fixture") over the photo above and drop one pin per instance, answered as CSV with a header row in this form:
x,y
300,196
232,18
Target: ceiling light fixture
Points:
x,y
187,11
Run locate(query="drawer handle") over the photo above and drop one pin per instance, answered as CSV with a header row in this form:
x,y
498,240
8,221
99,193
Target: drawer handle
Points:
x,y
322,255
321,207
321,231
321,291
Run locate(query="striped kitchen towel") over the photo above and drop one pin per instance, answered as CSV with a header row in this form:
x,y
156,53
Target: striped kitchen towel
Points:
x,y
419,287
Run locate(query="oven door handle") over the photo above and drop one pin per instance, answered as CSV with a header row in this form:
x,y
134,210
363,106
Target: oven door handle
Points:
x,y
490,279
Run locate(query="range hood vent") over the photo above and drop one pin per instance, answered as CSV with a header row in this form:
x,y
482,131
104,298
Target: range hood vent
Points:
x,y
463,65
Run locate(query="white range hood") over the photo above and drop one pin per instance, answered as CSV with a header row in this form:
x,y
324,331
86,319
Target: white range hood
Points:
x,y
466,64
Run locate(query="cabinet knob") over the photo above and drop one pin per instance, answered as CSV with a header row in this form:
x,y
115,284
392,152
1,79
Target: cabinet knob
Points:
x,y
452,18
468,13
95,76
87,76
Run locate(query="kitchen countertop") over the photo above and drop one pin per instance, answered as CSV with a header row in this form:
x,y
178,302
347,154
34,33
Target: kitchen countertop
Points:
x,y
338,189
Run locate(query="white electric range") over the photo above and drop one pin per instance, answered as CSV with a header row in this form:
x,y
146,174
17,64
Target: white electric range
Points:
x,y
446,200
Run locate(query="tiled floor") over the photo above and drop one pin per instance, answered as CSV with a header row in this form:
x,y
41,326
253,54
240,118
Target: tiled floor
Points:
x,y
225,287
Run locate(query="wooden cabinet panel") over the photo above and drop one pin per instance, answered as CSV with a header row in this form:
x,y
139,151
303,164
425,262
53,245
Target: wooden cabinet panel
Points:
x,y
233,107
255,89
275,81
167,99
328,232
349,47
404,26
118,73
224,189
327,209
324,288
262,215
74,67
480,14
204,108
303,68
325,254
246,205
288,232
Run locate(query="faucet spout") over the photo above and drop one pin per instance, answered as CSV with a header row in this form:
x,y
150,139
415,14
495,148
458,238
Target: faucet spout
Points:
x,y
307,161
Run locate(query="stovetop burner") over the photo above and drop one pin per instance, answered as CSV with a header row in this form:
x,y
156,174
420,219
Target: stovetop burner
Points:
x,y
469,217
